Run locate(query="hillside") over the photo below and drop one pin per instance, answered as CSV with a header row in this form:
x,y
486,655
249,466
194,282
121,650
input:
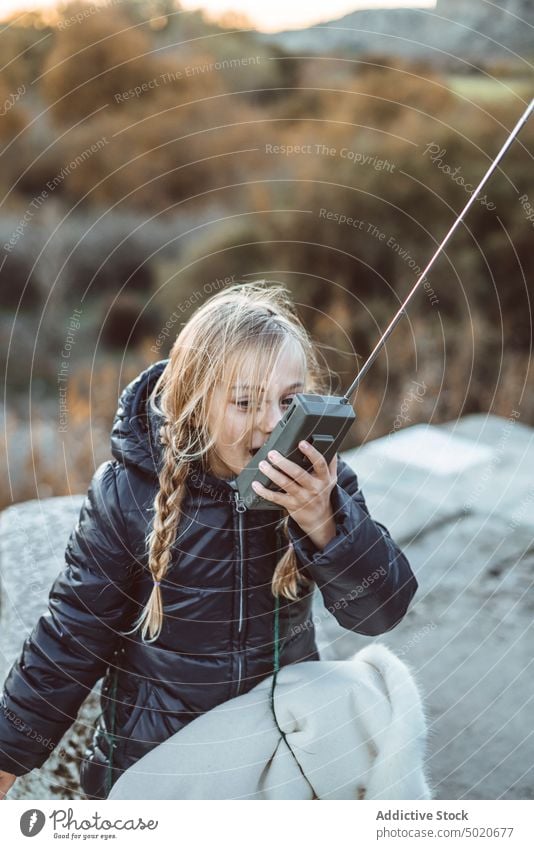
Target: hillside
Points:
x,y
455,31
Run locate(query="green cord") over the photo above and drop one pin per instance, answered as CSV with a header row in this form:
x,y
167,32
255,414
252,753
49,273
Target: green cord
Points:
x,y
276,658
276,655
276,669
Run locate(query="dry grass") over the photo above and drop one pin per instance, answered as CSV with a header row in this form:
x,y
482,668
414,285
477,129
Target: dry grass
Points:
x,y
40,460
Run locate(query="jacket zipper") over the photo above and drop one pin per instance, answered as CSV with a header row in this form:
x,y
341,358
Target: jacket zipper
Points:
x,y
241,508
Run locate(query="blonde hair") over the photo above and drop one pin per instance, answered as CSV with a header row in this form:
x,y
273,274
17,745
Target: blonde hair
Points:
x,y
245,322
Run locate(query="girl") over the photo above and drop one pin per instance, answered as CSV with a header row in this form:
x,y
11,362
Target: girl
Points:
x,y
171,585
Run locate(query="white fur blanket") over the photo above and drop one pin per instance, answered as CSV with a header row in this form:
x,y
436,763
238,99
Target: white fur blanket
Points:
x,y
356,729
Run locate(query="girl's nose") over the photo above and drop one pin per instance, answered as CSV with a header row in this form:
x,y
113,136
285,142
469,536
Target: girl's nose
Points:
x,y
271,415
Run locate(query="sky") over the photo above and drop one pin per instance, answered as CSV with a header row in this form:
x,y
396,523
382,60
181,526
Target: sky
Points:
x,y
267,16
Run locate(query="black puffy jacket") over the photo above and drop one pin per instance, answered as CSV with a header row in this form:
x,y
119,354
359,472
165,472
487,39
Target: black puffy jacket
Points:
x,y
217,637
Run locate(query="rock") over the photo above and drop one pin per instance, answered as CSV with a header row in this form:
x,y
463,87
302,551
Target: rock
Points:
x,y
469,537
33,540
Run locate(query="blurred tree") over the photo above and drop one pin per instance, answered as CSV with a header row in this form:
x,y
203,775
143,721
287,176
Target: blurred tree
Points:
x,y
126,322
94,62
153,10
23,48
13,116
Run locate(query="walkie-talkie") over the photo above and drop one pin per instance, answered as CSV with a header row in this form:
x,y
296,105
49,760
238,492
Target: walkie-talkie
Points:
x,y
323,420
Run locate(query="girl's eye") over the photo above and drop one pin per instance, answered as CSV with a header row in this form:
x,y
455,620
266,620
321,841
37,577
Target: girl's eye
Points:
x,y
244,403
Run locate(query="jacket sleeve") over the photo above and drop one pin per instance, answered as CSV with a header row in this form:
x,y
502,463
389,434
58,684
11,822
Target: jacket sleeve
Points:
x,y
69,648
365,579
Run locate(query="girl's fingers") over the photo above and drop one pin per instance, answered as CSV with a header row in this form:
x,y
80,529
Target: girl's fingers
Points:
x,y
322,470
320,466
278,477
291,469
268,494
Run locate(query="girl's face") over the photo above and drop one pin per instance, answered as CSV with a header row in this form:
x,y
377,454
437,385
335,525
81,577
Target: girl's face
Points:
x,y
228,422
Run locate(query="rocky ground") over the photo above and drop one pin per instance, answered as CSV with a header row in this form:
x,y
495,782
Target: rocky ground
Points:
x,y
459,499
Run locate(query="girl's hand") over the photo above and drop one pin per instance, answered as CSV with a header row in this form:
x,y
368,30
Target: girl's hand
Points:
x,y
306,495
6,781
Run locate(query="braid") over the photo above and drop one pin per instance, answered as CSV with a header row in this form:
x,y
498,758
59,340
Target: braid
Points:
x,y
286,577
163,533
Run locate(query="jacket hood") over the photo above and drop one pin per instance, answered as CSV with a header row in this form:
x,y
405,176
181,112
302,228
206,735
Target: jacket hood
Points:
x,y
134,439
135,434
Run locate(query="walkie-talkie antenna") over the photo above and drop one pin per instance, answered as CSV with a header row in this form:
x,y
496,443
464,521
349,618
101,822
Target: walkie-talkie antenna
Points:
x,y
325,420
389,330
